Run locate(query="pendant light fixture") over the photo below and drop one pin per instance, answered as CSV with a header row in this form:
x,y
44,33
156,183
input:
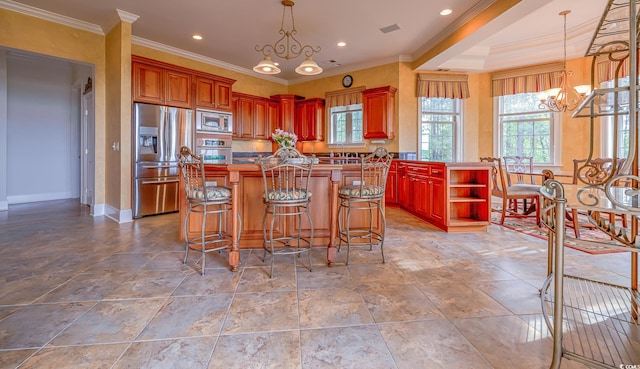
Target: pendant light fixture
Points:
x,y
565,97
287,47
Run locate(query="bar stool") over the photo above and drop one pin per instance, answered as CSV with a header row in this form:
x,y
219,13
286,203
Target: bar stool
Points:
x,y
367,194
209,201
286,176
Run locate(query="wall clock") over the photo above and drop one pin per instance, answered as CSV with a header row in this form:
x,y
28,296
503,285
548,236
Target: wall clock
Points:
x,y
347,81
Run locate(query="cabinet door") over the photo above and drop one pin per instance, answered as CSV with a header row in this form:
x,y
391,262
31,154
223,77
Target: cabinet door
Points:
x,y
391,190
309,119
436,192
378,112
261,119
178,91
148,84
245,114
422,198
223,96
205,93
273,117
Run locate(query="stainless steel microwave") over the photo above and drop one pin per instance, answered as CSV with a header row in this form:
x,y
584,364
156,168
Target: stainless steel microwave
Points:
x,y
214,121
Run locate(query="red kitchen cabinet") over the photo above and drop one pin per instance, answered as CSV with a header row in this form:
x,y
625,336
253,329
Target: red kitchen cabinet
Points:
x,y
378,116
309,119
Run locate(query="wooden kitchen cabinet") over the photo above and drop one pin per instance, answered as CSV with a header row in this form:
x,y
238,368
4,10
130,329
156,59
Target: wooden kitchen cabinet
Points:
x,y
155,82
378,105
148,84
309,119
213,94
251,117
454,197
391,191
157,85
178,89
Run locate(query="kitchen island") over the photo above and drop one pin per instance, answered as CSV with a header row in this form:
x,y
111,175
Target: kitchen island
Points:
x,y
455,197
247,187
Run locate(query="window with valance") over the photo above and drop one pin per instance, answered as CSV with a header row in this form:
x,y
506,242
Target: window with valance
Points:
x,y
451,86
345,114
526,80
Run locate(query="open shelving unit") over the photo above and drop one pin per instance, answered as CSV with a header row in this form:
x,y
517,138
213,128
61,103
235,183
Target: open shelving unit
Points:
x,y
469,197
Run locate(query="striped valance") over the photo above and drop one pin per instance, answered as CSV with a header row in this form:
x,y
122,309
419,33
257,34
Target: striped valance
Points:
x,y
607,69
452,86
343,97
524,80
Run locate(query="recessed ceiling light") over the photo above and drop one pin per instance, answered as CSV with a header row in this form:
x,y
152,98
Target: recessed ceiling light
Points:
x,y
446,12
197,37
342,44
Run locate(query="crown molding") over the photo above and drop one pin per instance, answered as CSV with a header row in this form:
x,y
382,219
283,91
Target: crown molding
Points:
x,y
49,16
197,57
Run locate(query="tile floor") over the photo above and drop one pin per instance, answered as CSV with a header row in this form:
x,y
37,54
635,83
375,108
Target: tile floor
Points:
x,y
84,292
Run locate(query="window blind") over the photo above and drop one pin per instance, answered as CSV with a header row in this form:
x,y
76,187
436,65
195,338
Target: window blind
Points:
x,y
452,86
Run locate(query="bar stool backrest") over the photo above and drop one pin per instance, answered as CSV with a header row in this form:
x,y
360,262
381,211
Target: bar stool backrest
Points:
x,y
286,175
192,168
374,170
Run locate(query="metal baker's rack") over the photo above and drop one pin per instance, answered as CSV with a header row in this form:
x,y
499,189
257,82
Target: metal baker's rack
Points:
x,y
594,322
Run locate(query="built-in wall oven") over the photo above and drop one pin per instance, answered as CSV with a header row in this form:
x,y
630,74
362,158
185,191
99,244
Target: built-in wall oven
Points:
x,y
214,148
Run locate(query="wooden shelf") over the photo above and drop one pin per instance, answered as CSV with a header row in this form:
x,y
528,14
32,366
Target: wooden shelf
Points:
x,y
467,199
469,185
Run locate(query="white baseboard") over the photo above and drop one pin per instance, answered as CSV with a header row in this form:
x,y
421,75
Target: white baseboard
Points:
x,y
21,199
4,205
97,210
120,216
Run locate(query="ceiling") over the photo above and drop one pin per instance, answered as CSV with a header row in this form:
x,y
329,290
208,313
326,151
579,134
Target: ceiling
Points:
x,y
530,32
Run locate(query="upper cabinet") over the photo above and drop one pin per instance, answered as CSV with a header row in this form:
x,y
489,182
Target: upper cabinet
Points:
x,y
252,117
309,119
213,94
160,83
378,106
178,89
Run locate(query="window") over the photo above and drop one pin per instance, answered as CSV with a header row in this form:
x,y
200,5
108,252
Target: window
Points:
x,y
346,125
526,130
439,120
623,122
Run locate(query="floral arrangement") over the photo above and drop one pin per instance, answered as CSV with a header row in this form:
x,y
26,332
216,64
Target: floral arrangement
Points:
x,y
284,138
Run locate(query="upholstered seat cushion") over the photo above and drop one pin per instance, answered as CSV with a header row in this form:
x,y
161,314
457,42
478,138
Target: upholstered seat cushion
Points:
x,y
211,193
523,189
355,191
288,194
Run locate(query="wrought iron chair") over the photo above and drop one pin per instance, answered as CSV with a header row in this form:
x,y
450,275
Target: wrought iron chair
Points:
x,y
287,197
501,189
209,201
597,171
367,195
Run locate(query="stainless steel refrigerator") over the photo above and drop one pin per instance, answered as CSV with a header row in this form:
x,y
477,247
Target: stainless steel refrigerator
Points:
x,y
159,133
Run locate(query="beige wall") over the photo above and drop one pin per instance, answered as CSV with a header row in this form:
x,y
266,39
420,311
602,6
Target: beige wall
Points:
x,y
383,75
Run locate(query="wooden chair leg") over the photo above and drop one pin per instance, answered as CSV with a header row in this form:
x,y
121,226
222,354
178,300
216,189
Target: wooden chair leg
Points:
x,y
576,226
505,203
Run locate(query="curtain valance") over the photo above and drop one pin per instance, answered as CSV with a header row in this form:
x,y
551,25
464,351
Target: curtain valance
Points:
x,y
452,86
606,69
343,97
523,80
